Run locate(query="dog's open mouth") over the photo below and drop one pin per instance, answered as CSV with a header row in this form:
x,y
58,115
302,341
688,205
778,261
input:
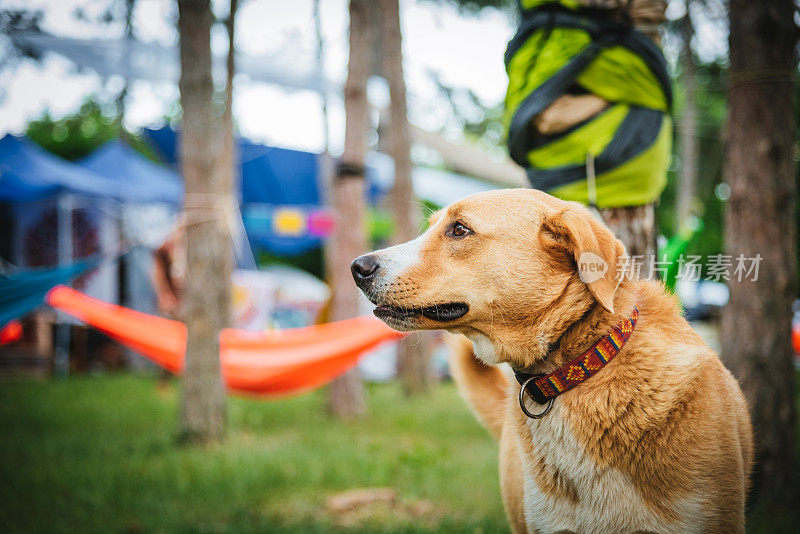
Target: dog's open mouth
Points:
x,y
438,312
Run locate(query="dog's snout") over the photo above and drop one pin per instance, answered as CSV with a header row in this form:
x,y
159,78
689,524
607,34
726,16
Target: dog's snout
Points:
x,y
363,268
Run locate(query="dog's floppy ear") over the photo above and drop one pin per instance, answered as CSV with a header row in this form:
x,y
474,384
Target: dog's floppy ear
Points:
x,y
591,245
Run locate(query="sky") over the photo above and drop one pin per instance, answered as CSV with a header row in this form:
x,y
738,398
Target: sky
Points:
x,y
465,51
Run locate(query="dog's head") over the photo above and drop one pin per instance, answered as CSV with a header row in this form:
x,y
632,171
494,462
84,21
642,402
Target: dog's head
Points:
x,y
493,264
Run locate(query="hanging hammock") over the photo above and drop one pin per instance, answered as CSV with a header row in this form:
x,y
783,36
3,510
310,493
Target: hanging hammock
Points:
x,y
23,291
273,363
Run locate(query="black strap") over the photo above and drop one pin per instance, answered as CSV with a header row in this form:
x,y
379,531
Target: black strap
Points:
x,y
637,132
604,31
555,15
348,170
520,134
534,392
601,27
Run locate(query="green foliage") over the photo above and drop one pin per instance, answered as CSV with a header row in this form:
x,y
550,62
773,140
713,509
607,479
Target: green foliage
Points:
x,y
78,135
311,261
481,124
711,110
100,455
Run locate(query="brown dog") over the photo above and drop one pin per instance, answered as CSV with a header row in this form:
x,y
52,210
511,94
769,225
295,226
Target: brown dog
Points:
x,y
657,440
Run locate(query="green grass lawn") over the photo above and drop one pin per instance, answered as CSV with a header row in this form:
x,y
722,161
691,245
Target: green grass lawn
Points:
x,y
98,454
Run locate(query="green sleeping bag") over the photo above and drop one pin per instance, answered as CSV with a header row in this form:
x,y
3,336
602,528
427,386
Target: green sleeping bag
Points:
x,y
562,48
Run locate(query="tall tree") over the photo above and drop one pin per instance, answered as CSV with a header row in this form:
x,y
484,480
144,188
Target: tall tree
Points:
x,y
760,220
414,351
228,147
208,246
349,239
687,126
129,7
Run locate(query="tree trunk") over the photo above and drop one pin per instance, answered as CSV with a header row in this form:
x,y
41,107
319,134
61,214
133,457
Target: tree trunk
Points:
x,y
687,128
229,150
760,220
123,134
320,60
349,239
413,356
208,247
635,226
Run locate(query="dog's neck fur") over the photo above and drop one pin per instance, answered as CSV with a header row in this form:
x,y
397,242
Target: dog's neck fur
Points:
x,y
556,338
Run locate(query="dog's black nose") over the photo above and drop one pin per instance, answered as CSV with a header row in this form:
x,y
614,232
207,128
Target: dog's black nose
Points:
x,y
363,267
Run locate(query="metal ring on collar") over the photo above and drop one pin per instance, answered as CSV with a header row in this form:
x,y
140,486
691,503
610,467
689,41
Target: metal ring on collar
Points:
x,y
523,390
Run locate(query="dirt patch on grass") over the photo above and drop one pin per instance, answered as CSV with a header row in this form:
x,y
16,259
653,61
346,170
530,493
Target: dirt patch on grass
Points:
x,y
370,505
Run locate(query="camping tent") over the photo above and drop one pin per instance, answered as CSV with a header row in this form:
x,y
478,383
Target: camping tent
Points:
x,y
268,177
138,179
151,195
279,176
29,172
272,177
59,212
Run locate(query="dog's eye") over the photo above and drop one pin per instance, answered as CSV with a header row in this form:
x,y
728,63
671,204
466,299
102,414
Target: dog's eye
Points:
x,y
458,230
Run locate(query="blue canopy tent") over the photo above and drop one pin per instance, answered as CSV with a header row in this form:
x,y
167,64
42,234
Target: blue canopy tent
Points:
x,y
271,176
29,175
29,172
285,168
166,143
57,211
139,179
279,177
268,176
152,194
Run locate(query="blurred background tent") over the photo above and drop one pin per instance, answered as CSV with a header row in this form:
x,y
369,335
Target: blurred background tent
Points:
x,y
281,185
151,197
57,212
28,173
140,180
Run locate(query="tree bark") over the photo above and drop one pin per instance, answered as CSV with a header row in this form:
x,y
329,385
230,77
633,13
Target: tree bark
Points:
x,y
687,128
123,134
208,247
413,355
760,220
229,150
349,239
635,226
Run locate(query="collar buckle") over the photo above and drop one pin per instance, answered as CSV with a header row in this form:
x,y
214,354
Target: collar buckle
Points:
x,y
536,396
574,372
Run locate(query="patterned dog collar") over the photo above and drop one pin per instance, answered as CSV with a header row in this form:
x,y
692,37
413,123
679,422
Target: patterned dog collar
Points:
x,y
544,388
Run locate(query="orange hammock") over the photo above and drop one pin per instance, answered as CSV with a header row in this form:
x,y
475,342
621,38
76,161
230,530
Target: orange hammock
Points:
x,y
275,363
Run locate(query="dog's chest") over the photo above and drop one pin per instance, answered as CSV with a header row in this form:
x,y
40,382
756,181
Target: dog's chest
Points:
x,y
607,500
